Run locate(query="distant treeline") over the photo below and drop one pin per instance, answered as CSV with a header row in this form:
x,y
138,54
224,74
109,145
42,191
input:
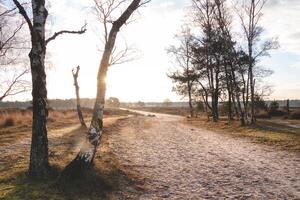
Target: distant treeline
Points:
x,y
61,104
54,103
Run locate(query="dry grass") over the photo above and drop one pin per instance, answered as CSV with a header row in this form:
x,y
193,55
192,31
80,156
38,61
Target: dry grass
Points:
x,y
265,131
21,117
102,180
16,116
20,121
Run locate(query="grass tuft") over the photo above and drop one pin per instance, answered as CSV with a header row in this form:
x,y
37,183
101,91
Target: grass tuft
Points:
x,y
8,122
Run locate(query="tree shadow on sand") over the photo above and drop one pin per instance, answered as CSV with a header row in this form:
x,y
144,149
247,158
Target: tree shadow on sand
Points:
x,y
106,178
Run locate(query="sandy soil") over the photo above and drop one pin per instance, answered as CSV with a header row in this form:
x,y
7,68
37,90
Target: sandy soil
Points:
x,y
168,159
18,152
177,161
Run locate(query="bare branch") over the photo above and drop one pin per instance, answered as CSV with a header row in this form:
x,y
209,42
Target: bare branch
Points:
x,y
6,12
128,54
11,90
56,34
24,14
3,44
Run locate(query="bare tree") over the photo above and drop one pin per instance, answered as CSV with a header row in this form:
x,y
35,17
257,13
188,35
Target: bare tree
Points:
x,y
87,152
184,77
79,111
15,86
207,53
250,14
232,66
224,70
11,44
39,165
106,12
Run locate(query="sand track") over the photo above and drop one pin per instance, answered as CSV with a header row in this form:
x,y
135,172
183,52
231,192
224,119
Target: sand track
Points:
x,y
177,161
172,160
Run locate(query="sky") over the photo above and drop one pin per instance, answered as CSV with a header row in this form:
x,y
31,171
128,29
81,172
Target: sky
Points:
x,y
144,79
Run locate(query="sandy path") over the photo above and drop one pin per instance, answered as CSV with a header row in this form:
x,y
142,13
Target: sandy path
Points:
x,y
177,161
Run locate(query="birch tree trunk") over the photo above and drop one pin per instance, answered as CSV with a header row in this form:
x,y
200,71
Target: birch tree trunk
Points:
x,y
39,145
39,164
87,152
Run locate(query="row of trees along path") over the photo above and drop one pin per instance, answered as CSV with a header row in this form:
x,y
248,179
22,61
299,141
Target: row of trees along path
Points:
x,y
214,65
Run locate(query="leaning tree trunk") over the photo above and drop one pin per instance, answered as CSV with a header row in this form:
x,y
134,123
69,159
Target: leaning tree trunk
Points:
x,y
79,112
39,165
87,152
85,157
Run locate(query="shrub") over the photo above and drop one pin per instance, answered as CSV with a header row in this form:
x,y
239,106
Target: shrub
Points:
x,y
140,104
8,122
51,119
112,102
274,106
200,106
260,103
295,115
277,113
263,115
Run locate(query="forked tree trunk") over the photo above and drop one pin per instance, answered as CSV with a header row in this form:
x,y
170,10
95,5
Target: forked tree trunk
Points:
x,y
79,112
87,152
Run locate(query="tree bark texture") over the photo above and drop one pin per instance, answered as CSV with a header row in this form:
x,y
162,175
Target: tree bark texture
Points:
x,y
39,165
